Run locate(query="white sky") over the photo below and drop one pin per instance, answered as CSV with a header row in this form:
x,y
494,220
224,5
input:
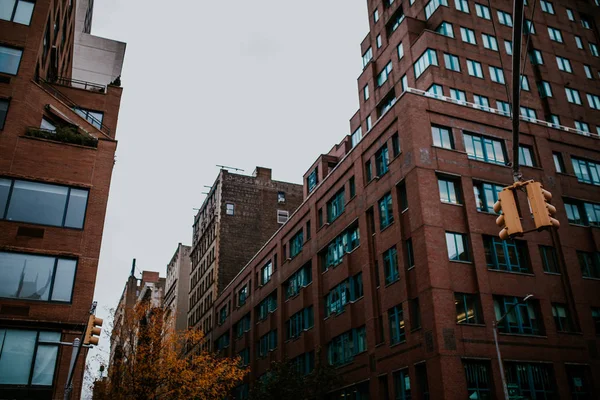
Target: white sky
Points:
x,y
206,82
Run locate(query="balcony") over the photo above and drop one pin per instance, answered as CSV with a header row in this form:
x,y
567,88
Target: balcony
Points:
x,y
64,134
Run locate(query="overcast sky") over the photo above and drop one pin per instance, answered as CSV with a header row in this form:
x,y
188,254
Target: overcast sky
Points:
x,y
239,83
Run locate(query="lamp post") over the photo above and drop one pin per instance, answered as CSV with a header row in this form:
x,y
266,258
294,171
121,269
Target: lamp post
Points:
x,y
495,326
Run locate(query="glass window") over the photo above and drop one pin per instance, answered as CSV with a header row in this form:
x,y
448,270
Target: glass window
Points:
x,y
390,265
396,320
586,171
547,7
404,82
484,149
35,277
344,243
457,246
579,42
445,29
528,113
564,64
10,59
298,280
482,11
570,14
536,57
376,15
400,50
525,83
481,101
506,255
382,160
594,49
266,272
267,343
347,291
402,195
559,164
489,42
336,205
573,96
503,107
18,11
497,75
525,318
429,57
508,47
28,357
467,35
356,138
410,255
475,69
402,385
588,74
549,259
442,137
545,89
526,156
312,179
414,313
562,318
93,117
368,123
468,309
555,34
352,187
505,18
529,27
434,5
593,100
449,191
366,93
579,382
589,264
436,90
479,383
458,95
378,41
451,62
382,77
301,321
395,145
529,380
462,5
342,348
555,119
367,57
486,195
386,213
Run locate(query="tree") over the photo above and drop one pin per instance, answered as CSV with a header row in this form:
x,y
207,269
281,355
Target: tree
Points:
x,y
150,362
284,380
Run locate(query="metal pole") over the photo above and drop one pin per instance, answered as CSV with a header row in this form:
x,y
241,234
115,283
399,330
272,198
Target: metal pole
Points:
x,y
504,387
74,354
516,84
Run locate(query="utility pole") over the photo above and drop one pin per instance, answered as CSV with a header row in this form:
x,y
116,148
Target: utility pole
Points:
x,y
516,84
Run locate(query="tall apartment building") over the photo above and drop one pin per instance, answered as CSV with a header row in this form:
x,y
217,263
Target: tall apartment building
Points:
x,y
392,264
57,146
240,213
177,288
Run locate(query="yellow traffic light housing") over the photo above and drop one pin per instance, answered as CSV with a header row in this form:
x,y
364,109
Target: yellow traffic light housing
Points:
x,y
543,212
93,330
510,220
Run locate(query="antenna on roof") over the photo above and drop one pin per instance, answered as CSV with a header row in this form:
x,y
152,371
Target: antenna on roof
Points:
x,y
226,167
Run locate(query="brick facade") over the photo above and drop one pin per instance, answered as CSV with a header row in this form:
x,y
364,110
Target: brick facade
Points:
x,y
414,329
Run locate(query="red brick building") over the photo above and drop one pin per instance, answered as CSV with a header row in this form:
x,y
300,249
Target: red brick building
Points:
x,y
57,146
392,264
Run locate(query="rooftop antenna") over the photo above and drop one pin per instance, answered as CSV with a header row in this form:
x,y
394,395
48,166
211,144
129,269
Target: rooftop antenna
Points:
x,y
133,268
226,167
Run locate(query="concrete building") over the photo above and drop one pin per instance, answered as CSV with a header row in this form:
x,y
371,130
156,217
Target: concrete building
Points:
x,y
392,264
57,146
177,287
239,214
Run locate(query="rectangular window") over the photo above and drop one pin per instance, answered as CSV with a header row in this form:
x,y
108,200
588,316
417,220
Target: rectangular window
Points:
x,y
244,359
367,57
586,171
37,277
458,95
267,343
579,42
343,348
442,137
524,319
304,363
376,15
402,385
368,123
243,295
404,83
356,136
580,381
457,246
482,11
366,93
529,27
10,59
396,320
298,280
508,47
475,69
429,57
382,160
503,107
562,319
95,118
555,34
344,243
449,190
18,11
526,156
564,64
414,312
594,49
378,41
3,111
506,255
368,171
549,259
468,308
583,127
386,213
462,5
348,291
267,306
446,29
296,243
505,18
395,145
485,149
403,197
410,255
525,83
585,23
545,89
529,380
481,101
336,206
229,209
555,119
588,74
28,357
559,164
434,5
479,382
436,90
242,326
390,265
497,75
467,35
489,42
451,62
589,264
486,195
352,187
301,321
282,216
312,180
593,101
570,15
383,76
573,96
394,21
536,57
400,50
547,7
42,203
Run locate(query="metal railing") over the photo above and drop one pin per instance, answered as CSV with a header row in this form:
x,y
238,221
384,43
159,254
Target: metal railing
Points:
x,y
79,84
59,95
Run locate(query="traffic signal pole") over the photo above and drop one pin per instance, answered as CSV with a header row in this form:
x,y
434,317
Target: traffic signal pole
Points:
x,y
516,84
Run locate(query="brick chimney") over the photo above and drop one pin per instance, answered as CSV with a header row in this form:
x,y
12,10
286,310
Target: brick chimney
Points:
x,y
262,173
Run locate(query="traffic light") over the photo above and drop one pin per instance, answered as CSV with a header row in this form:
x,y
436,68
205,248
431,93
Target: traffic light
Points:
x,y
543,212
93,330
509,220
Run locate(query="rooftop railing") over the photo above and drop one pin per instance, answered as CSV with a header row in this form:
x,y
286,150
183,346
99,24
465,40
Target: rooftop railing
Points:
x,y
79,84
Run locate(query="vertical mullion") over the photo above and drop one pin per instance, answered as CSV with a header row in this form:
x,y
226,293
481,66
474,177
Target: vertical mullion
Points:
x,y
54,278
66,207
35,349
10,192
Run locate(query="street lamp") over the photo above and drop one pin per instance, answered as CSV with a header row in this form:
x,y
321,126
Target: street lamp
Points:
x,y
495,326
